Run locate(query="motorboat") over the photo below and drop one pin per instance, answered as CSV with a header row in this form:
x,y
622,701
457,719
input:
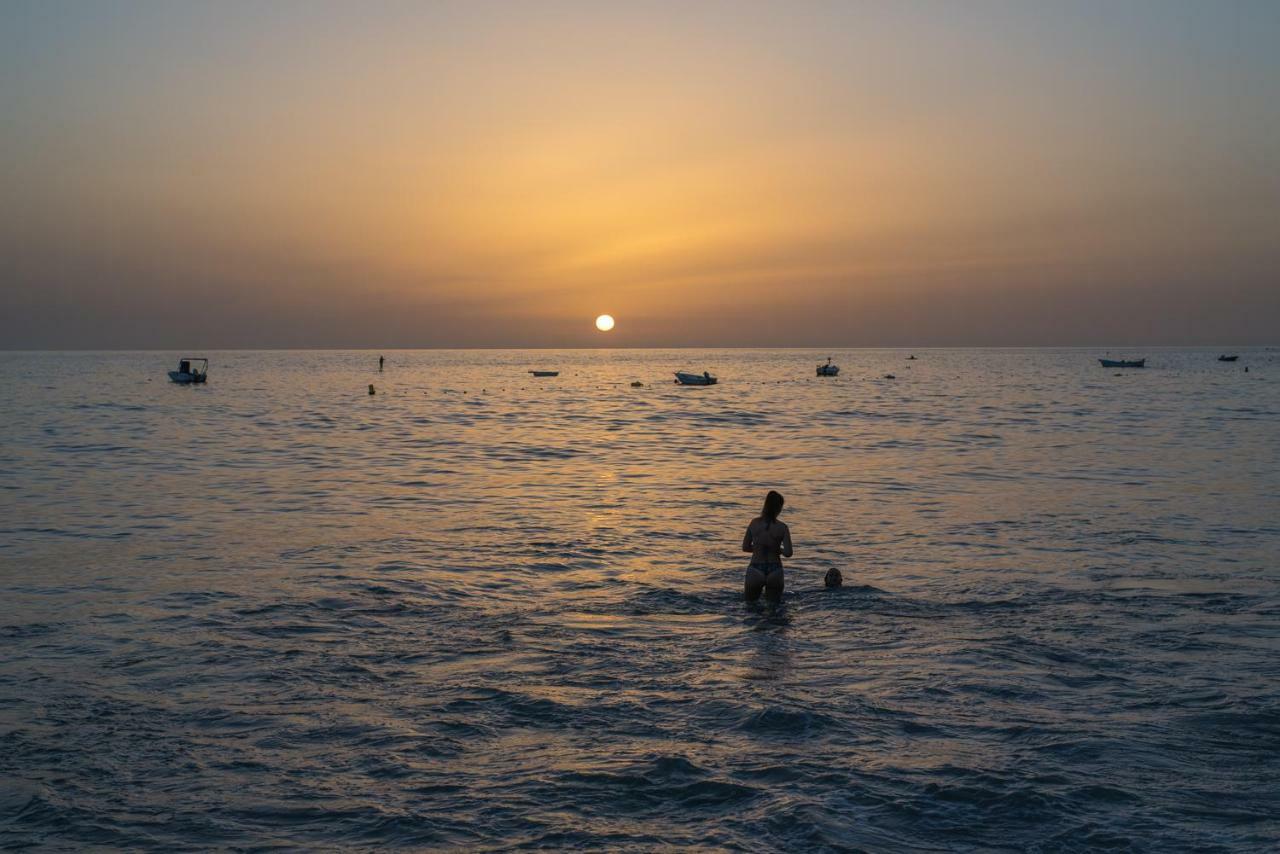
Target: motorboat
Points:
x,y
1123,363
545,373
1227,358
686,378
191,369
828,370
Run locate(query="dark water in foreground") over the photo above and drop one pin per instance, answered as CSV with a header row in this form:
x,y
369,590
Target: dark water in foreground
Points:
x,y
483,610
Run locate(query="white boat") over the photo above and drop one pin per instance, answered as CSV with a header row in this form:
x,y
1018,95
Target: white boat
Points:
x,y
686,378
191,369
828,370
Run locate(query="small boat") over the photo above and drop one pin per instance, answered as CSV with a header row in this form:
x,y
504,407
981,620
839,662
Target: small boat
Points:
x,y
686,378
191,369
545,373
1123,363
1227,358
911,358
637,384
828,370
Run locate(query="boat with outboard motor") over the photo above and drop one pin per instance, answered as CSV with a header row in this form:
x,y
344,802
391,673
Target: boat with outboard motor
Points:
x,y
687,378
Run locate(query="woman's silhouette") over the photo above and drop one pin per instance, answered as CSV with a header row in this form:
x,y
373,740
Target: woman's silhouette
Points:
x,y
769,541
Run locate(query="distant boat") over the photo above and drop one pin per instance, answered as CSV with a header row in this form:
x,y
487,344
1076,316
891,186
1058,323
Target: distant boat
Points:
x,y
828,370
191,369
1227,358
911,358
1123,363
686,378
545,373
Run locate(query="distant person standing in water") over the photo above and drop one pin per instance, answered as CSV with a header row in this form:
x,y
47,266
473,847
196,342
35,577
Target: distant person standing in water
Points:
x,y
380,361
769,541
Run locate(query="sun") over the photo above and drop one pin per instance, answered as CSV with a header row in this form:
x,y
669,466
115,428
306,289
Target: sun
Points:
x,y
604,322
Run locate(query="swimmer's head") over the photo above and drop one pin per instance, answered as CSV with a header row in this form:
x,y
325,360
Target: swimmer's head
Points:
x,y
834,578
772,505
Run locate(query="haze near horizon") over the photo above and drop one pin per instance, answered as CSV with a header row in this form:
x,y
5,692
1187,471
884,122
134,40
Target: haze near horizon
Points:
x,y
484,174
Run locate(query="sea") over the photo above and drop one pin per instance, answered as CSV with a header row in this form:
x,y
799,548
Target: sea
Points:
x,y
474,609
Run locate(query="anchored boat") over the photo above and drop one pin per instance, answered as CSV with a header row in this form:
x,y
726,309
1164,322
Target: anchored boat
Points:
x,y
686,378
1123,363
191,369
1227,358
828,370
545,373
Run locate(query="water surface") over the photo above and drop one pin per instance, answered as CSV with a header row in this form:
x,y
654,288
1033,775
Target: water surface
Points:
x,y
481,609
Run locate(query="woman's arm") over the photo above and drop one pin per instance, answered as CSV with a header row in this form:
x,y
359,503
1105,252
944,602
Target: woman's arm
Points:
x,y
746,541
786,541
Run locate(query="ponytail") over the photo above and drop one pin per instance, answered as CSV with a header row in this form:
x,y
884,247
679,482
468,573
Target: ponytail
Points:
x,y
772,506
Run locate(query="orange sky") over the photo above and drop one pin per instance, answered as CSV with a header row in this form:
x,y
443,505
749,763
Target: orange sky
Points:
x,y
731,174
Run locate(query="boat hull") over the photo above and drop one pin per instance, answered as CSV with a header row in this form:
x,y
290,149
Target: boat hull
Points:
x,y
1123,363
684,378
545,373
184,378
828,370
1227,358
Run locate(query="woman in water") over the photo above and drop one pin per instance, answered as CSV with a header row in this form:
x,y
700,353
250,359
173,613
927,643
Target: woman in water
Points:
x,y
769,541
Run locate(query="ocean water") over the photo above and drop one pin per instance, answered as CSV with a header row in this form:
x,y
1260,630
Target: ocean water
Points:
x,y
482,610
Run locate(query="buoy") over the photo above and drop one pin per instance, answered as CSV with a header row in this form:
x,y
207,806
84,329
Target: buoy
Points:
x,y
371,391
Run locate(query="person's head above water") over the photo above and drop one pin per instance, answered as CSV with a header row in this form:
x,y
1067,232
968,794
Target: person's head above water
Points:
x,y
833,578
772,506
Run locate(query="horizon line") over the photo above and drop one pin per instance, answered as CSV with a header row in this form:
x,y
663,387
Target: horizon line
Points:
x,y
489,348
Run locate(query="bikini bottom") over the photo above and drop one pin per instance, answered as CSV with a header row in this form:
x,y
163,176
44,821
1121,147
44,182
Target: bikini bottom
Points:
x,y
766,569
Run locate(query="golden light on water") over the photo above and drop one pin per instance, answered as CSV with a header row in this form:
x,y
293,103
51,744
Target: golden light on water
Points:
x,y
604,322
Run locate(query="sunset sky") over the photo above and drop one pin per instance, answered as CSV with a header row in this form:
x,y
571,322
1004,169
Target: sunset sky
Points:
x,y
711,174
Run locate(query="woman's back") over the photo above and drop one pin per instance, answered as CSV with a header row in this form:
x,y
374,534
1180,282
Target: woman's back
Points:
x,y
767,537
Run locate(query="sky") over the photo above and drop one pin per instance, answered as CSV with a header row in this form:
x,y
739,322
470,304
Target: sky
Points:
x,y
475,174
